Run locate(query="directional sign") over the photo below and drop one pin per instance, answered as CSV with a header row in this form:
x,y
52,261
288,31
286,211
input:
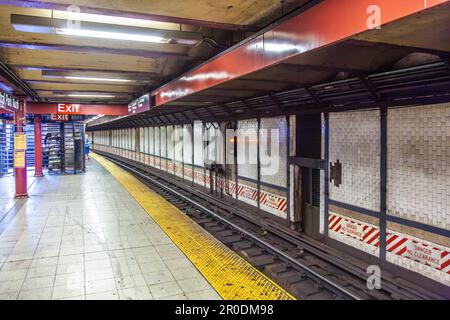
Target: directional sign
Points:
x,y
8,103
69,108
139,105
59,117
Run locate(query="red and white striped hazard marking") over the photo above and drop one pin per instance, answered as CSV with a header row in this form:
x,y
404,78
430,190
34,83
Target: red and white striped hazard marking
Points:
x,y
424,252
247,192
274,201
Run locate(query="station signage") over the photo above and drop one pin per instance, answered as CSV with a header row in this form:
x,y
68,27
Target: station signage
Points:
x,y
59,117
9,103
139,105
69,108
20,147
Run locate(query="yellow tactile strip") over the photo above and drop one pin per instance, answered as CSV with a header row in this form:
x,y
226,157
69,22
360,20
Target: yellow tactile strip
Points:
x,y
230,275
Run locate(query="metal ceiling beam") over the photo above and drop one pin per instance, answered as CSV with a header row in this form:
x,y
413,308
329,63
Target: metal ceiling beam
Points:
x,y
294,36
127,14
15,80
122,72
98,50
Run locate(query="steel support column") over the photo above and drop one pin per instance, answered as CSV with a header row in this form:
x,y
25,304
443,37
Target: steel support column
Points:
x,y
326,135
38,146
20,174
288,169
383,182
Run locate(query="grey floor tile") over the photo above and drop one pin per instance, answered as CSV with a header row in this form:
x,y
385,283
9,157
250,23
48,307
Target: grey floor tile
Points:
x,y
84,237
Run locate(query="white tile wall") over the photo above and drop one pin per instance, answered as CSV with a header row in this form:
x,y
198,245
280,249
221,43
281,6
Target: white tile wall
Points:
x,y
322,178
419,164
275,157
163,145
151,135
247,154
141,140
198,143
213,145
187,143
170,149
355,141
178,136
157,141
146,140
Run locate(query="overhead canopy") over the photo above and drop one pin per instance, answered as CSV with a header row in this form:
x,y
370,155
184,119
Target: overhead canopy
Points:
x,y
309,48
330,57
71,67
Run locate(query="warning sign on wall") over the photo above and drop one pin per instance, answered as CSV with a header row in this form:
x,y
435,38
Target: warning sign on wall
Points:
x,y
19,159
351,229
20,141
424,254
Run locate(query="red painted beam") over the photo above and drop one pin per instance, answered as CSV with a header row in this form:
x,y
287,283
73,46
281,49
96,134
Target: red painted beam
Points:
x,y
326,23
84,109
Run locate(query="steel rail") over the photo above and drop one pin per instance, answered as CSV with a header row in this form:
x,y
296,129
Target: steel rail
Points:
x,y
294,263
408,292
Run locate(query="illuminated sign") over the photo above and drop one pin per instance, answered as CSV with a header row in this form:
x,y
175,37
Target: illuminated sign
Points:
x,y
8,103
59,117
139,105
69,108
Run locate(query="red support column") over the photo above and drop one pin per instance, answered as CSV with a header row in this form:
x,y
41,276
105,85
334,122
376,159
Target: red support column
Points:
x,y
21,173
38,146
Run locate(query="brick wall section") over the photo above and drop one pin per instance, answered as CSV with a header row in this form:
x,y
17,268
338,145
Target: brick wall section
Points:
x,y
355,142
419,164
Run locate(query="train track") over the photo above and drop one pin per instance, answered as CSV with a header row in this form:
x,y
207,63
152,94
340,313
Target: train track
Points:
x,y
303,268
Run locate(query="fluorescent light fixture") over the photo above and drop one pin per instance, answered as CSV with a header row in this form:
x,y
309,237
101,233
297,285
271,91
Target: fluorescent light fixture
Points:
x,y
94,118
77,95
89,29
111,35
97,79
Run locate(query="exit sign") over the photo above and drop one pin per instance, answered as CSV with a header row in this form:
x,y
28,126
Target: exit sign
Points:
x,y
69,109
59,117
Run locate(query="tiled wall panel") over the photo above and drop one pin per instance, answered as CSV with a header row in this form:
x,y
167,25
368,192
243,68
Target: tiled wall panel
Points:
x,y
273,154
198,143
355,142
247,148
419,164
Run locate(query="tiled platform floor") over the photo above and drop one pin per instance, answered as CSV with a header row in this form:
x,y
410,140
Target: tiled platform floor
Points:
x,y
85,237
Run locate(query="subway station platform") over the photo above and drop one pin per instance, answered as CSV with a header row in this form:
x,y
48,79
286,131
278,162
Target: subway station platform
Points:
x,y
91,237
85,237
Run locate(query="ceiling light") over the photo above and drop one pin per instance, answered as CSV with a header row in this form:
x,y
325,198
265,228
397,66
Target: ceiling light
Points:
x,y
97,79
89,29
111,35
76,95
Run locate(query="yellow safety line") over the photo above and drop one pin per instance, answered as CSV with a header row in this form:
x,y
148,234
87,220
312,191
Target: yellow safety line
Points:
x,y
229,274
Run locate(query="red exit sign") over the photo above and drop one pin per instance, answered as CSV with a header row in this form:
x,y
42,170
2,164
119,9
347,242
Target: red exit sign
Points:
x,y
69,109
